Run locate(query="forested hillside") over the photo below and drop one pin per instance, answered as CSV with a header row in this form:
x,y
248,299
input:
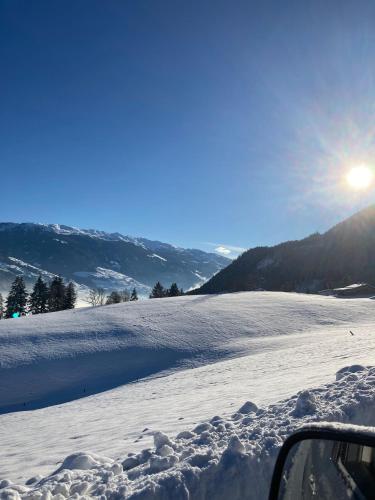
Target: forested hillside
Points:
x,y
342,255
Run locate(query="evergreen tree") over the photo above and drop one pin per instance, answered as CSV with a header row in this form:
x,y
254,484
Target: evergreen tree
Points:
x,y
114,298
134,295
173,291
56,295
1,306
70,296
17,298
39,297
158,291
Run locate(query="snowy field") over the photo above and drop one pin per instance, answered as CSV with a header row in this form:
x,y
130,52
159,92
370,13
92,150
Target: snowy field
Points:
x,y
168,365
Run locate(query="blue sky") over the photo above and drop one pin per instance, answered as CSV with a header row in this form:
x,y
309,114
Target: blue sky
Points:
x,y
202,123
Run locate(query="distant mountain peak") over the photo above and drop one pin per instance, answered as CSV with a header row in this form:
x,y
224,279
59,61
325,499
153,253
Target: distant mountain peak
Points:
x,y
91,257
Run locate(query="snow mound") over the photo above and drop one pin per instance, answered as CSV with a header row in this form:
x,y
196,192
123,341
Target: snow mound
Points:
x,y
223,458
83,461
248,407
349,369
305,404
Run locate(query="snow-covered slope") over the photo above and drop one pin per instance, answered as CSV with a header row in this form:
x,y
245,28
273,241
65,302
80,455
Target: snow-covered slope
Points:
x,y
60,356
204,356
113,280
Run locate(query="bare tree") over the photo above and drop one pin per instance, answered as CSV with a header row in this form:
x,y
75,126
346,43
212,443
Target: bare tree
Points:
x,y
125,296
96,297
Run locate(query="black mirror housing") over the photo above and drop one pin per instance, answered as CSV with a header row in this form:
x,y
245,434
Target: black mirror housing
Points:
x,y
320,459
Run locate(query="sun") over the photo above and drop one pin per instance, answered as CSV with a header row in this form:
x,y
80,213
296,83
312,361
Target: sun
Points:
x,y
360,177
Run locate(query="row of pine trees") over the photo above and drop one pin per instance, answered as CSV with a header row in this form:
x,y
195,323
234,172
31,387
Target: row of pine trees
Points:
x,y
98,297
159,291
116,297
55,296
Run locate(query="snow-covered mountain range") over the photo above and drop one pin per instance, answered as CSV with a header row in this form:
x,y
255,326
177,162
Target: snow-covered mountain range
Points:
x,y
93,258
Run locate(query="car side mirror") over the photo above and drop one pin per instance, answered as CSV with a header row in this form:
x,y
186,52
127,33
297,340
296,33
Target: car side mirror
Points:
x,y
328,461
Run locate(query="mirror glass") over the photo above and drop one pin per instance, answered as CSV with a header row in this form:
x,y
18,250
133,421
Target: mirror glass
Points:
x,y
323,469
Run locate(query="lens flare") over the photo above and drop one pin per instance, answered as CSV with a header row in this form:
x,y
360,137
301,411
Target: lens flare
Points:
x,y
360,177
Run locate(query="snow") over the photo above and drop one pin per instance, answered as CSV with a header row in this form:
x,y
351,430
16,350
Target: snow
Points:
x,y
155,256
108,346
5,267
173,364
146,244
266,262
103,235
109,279
32,271
93,233
351,287
27,269
63,242
199,276
231,457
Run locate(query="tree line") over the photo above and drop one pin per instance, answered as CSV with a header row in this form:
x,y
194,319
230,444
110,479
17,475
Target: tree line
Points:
x,y
55,296
99,297
159,291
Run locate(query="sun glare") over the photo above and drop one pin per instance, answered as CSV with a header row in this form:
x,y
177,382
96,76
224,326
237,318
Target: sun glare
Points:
x,y
360,177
